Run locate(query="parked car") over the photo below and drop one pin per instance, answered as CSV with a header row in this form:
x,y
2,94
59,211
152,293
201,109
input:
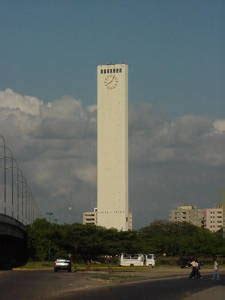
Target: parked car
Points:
x,y
137,259
131,259
150,260
62,264
184,262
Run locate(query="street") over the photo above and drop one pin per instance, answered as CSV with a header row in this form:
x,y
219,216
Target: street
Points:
x,y
171,289
22,285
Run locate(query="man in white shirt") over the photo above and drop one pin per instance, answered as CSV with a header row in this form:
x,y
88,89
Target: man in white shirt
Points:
x,y
215,275
194,268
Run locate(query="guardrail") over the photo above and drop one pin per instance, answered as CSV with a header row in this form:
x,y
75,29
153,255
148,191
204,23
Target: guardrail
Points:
x,y
16,197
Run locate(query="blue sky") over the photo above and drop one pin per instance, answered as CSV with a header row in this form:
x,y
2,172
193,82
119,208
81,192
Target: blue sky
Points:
x,y
175,50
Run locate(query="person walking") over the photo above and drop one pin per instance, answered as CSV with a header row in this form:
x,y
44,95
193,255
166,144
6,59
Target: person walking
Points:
x,y
194,269
215,275
197,265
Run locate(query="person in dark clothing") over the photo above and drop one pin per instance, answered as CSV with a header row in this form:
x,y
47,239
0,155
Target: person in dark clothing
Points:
x,y
194,269
197,265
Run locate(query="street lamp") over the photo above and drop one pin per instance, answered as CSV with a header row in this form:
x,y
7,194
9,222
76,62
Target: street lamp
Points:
x,y
29,209
4,166
13,160
49,214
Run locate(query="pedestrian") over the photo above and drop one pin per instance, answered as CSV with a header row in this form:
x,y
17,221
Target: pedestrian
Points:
x,y
193,270
197,265
215,275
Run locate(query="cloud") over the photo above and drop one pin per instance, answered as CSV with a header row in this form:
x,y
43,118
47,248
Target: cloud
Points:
x,y
219,126
17,102
171,161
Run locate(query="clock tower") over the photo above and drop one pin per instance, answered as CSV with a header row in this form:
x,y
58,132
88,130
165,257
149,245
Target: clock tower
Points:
x,y
112,147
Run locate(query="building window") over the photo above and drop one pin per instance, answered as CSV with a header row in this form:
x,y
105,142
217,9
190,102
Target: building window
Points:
x,y
101,71
104,71
114,70
120,71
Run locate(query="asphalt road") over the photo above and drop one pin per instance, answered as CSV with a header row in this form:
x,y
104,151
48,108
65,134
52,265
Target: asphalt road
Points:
x,y
172,289
33,285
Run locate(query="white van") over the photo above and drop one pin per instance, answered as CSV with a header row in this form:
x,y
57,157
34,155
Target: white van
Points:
x,y
132,259
150,260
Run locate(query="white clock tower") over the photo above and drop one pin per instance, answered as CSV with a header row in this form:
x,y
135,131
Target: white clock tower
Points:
x,y
112,147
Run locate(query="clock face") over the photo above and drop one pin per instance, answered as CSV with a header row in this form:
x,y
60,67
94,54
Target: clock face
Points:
x,y
111,81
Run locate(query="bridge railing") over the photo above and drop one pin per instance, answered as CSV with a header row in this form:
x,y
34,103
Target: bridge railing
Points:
x,y
16,197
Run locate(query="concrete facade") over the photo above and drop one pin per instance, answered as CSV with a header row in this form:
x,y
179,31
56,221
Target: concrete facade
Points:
x,y
90,217
187,213
209,218
222,206
112,146
213,219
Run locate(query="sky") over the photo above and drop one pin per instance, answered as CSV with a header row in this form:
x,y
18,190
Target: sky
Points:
x,y
175,52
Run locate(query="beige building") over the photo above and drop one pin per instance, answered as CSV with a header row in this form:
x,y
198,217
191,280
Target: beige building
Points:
x,y
213,219
222,206
187,213
90,217
210,218
112,147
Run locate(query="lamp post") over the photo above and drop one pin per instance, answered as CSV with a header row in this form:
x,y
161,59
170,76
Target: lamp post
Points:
x,y
49,214
28,209
21,179
4,167
13,165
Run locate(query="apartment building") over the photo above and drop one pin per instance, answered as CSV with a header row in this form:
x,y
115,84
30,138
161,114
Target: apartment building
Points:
x,y
90,217
210,218
222,206
187,213
213,219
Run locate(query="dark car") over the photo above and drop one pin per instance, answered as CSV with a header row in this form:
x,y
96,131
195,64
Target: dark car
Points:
x,y
184,262
62,264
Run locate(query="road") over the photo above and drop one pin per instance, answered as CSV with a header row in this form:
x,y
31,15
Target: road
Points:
x,y
169,289
24,285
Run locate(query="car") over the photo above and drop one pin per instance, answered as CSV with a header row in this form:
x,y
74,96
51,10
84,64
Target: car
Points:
x,y
184,262
62,264
150,260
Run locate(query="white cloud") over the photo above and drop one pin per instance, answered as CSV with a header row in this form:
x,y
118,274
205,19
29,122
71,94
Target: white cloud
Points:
x,y
219,125
174,160
14,101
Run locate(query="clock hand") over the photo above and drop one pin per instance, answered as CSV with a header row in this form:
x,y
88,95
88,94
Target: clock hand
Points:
x,y
110,80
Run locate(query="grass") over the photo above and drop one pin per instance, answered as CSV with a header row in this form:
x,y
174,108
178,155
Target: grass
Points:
x,y
45,265
34,265
114,277
37,265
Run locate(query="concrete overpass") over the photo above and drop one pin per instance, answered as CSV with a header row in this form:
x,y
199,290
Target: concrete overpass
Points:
x,y
13,242
17,209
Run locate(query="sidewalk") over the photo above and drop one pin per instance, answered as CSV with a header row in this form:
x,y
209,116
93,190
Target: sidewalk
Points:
x,y
214,293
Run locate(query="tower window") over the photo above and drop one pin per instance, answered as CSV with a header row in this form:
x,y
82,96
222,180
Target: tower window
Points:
x,y
120,70
114,70
108,71
104,71
101,71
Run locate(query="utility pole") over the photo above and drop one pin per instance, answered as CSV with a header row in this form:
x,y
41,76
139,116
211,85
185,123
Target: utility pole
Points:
x,y
4,168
